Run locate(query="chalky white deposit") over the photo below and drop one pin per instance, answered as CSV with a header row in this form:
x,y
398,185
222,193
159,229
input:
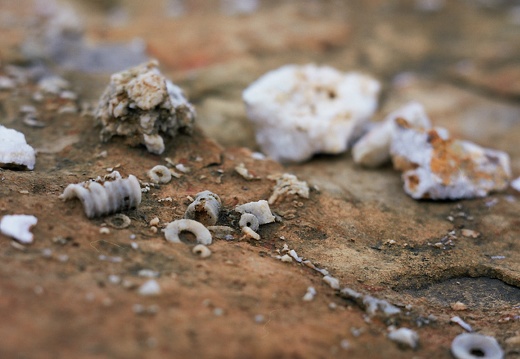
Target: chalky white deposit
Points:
x,y
259,209
405,336
288,185
373,149
436,166
105,195
14,150
302,110
141,105
18,226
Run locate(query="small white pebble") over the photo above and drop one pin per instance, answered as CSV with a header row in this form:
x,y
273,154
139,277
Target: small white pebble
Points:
x,y
104,230
218,312
333,282
344,344
259,318
47,252
309,296
462,323
63,258
201,250
114,279
405,336
332,305
148,273
286,258
134,245
150,288
155,221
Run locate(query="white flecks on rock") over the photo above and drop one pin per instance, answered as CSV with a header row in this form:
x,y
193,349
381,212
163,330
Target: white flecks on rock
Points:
x,y
18,226
331,281
436,166
205,208
14,150
160,174
259,209
141,105
465,346
309,296
173,230
105,195
405,337
288,185
373,149
150,288
302,110
370,304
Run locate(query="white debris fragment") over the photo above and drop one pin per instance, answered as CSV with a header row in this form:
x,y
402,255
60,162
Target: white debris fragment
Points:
x,y
473,346
462,323
286,258
150,288
201,250
516,184
141,105
373,149
205,208
6,83
405,336
293,254
287,185
249,220
260,209
147,273
249,233
333,282
370,304
53,85
173,230
245,173
14,150
105,195
309,296
302,110
436,166
18,226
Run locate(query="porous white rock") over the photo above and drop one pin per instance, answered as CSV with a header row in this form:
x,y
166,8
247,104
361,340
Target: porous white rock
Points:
x,y
436,166
299,111
205,208
18,226
105,195
259,209
141,105
373,149
405,336
14,150
288,185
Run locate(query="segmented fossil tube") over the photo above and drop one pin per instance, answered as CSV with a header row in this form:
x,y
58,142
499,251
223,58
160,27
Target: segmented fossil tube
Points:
x,y
205,208
105,195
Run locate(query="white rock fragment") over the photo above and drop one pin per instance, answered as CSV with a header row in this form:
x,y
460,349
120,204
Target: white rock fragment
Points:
x,y
201,250
302,110
286,258
331,281
18,226
405,336
436,166
259,209
14,150
516,184
309,295
458,320
105,195
141,105
249,220
173,230
370,304
293,254
474,346
205,208
373,149
288,185
150,288
245,173
249,233
6,83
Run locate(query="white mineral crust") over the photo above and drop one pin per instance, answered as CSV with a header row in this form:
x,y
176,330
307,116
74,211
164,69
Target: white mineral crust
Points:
x,y
18,226
14,150
302,110
436,166
373,149
141,105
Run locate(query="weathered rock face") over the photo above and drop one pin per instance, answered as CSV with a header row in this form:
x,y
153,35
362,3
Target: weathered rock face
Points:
x,y
299,111
142,105
436,166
